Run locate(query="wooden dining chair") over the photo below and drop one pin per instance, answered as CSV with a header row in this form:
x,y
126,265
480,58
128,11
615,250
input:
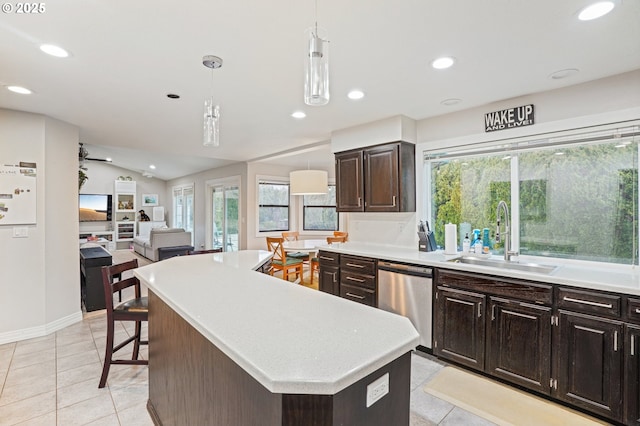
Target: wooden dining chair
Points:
x,y
341,234
293,236
280,260
331,240
136,309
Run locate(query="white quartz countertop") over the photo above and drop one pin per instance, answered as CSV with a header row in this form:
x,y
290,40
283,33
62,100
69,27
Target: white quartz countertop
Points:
x,y
623,279
290,338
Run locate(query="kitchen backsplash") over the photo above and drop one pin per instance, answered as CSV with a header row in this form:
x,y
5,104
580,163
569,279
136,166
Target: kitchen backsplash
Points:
x,y
397,229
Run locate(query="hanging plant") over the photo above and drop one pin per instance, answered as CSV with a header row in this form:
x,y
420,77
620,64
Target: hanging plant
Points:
x,y
82,178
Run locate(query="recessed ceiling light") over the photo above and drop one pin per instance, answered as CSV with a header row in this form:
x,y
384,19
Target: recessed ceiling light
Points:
x,y
451,101
563,73
173,96
152,166
21,90
298,114
596,10
108,159
355,94
443,63
53,50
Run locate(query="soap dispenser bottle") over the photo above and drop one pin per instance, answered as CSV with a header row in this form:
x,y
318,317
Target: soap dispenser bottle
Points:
x,y
466,243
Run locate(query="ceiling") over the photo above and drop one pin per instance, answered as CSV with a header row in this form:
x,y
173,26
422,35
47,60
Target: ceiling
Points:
x,y
127,56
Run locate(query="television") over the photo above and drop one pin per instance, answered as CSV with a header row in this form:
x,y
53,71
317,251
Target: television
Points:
x,y
95,207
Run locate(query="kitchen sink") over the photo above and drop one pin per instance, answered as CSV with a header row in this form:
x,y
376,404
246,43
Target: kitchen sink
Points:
x,y
503,264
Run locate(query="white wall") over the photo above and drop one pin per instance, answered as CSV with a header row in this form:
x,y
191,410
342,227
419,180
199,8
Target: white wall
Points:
x,y
40,289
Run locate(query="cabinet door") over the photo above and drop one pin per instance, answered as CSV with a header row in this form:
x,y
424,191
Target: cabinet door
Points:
x,y
381,179
329,280
349,186
589,363
632,375
460,327
519,344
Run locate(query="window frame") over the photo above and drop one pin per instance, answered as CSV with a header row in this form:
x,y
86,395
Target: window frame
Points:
x,y
269,180
520,145
303,210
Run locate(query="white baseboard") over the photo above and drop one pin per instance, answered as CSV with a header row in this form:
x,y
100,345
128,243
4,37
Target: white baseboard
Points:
x,y
41,330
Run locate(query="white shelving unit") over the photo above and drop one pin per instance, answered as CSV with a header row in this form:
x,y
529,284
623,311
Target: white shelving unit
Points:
x,y
125,210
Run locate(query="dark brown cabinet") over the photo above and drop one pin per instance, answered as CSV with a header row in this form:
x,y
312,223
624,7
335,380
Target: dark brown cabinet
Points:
x,y
329,272
376,179
358,279
519,343
632,374
589,363
460,331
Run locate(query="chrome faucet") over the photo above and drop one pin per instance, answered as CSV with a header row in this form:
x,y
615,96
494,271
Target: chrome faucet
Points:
x,y
502,207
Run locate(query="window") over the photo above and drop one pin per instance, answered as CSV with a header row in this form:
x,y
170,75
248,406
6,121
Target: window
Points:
x,y
319,211
273,206
570,197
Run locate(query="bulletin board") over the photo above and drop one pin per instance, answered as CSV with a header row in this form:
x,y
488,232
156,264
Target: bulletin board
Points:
x,y
18,193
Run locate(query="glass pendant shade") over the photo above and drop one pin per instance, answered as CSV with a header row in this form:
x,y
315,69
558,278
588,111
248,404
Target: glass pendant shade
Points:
x,y
308,182
316,83
211,123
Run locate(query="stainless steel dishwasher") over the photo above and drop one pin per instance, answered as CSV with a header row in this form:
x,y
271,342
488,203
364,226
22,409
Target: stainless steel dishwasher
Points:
x,y
407,290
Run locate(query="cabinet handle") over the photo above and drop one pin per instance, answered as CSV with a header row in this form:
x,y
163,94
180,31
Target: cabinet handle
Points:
x,y
615,341
335,274
633,345
637,310
327,258
493,312
359,201
355,265
358,280
394,201
479,309
588,302
357,296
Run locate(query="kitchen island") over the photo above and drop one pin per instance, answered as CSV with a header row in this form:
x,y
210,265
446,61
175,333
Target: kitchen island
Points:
x,y
229,345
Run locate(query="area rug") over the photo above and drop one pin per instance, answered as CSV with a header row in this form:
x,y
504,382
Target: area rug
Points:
x,y
499,403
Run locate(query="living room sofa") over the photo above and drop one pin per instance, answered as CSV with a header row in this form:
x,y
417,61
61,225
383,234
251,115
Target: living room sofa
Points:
x,y
160,237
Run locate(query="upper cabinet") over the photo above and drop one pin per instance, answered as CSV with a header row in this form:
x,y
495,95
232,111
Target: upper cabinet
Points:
x,y
379,178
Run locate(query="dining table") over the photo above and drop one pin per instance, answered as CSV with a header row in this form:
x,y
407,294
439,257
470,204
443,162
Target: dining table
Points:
x,y
304,246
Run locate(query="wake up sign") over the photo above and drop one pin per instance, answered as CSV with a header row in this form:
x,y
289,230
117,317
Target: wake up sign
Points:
x,y
509,118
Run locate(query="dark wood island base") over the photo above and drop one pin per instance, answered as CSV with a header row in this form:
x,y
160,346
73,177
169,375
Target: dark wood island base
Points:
x,y
192,382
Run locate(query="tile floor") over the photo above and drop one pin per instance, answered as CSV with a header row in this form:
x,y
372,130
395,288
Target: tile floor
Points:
x,y
53,380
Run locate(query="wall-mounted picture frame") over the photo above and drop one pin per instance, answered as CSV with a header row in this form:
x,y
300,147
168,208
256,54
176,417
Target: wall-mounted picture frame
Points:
x,y
149,199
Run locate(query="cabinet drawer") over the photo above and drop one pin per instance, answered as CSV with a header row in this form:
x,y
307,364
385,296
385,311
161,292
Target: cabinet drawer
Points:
x,y
327,258
361,265
358,294
355,279
517,289
633,310
589,302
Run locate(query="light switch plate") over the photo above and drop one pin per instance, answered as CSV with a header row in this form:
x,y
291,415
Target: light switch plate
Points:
x,y
20,232
377,389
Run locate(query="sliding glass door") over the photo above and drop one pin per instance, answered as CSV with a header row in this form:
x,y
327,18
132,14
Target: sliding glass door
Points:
x,y
223,227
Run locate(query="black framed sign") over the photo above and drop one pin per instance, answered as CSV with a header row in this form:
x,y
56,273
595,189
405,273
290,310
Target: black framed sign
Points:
x,y
509,118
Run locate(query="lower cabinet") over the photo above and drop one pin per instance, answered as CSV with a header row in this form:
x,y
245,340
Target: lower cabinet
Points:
x,y
460,332
519,343
589,363
329,272
632,375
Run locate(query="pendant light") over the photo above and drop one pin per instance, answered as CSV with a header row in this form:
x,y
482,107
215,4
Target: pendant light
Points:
x,y
211,109
308,182
316,82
